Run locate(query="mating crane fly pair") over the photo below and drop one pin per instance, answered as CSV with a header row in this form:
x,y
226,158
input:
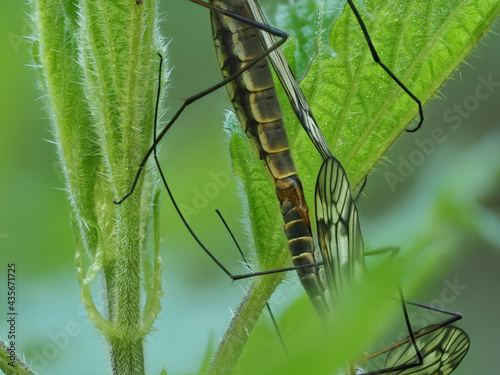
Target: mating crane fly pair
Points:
x,y
244,42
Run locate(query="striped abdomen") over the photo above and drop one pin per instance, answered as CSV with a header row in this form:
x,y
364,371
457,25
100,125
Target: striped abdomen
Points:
x,y
255,102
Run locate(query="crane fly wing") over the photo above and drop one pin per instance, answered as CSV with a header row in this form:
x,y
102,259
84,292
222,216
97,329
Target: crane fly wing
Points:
x,y
442,350
339,234
290,84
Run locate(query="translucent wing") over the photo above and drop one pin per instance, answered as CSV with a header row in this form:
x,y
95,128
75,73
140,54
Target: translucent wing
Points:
x,y
290,84
339,234
442,350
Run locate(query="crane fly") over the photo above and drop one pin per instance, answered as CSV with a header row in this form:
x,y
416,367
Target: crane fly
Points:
x,y
243,40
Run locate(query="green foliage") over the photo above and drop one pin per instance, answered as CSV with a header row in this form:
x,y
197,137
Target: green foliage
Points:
x,y
361,112
98,68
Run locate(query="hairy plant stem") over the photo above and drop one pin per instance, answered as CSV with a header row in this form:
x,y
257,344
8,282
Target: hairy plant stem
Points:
x,y
225,359
98,62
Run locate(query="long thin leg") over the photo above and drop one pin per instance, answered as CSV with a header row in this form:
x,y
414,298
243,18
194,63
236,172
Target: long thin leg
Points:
x,y
204,93
233,277
191,100
393,253
405,366
412,337
153,150
230,232
376,58
429,329
455,316
283,37
275,324
442,351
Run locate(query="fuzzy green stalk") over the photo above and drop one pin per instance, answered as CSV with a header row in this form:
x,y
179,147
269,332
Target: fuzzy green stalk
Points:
x,y
11,363
98,68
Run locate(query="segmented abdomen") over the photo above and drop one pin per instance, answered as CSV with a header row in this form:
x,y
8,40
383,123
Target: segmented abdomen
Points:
x,y
255,102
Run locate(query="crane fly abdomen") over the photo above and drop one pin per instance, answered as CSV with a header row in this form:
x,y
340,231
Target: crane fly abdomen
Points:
x,y
253,96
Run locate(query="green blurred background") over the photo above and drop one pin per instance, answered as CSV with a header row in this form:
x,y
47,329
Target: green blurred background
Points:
x,y
463,172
